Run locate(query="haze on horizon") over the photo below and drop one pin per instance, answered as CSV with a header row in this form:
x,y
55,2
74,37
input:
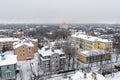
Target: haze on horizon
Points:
x,y
57,11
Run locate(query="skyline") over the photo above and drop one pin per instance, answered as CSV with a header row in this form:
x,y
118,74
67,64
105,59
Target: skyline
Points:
x,y
58,11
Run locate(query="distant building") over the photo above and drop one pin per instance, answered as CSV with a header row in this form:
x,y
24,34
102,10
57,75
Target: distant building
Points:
x,y
52,59
86,42
5,31
7,43
28,32
25,48
3,36
8,67
18,34
63,26
92,56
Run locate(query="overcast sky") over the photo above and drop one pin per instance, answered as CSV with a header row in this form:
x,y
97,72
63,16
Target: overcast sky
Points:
x,y
58,11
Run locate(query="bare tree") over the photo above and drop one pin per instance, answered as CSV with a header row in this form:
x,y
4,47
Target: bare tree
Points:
x,y
70,53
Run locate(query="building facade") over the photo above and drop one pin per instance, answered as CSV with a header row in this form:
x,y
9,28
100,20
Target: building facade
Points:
x,y
91,56
52,59
8,67
25,49
86,42
7,43
18,34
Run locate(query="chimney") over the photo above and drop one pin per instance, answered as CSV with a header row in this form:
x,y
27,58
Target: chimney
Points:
x,y
94,76
2,57
85,75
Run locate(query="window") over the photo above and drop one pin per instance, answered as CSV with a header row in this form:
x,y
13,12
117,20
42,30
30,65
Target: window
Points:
x,y
61,55
91,58
20,54
30,50
8,74
95,58
7,67
56,61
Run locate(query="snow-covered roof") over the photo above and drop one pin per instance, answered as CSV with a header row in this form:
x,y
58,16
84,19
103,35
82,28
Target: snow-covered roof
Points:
x,y
18,32
89,38
93,52
36,40
80,76
48,51
4,30
11,52
23,42
8,39
8,60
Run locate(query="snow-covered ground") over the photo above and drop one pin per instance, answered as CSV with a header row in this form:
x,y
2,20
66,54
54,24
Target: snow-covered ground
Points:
x,y
116,76
11,52
29,68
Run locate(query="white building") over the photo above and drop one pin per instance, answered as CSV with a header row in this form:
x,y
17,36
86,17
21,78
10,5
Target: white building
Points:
x,y
52,59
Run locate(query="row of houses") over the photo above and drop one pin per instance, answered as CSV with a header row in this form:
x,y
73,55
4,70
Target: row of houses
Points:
x,y
23,49
51,58
89,49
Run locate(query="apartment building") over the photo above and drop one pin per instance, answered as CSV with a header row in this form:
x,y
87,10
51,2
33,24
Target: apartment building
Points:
x,y
86,42
18,34
52,59
8,65
25,48
7,43
91,56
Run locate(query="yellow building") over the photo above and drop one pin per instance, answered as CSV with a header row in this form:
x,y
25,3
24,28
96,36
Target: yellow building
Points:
x,y
7,43
91,56
86,42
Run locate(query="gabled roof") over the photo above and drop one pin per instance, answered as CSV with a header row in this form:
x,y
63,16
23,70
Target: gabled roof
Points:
x,y
22,42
